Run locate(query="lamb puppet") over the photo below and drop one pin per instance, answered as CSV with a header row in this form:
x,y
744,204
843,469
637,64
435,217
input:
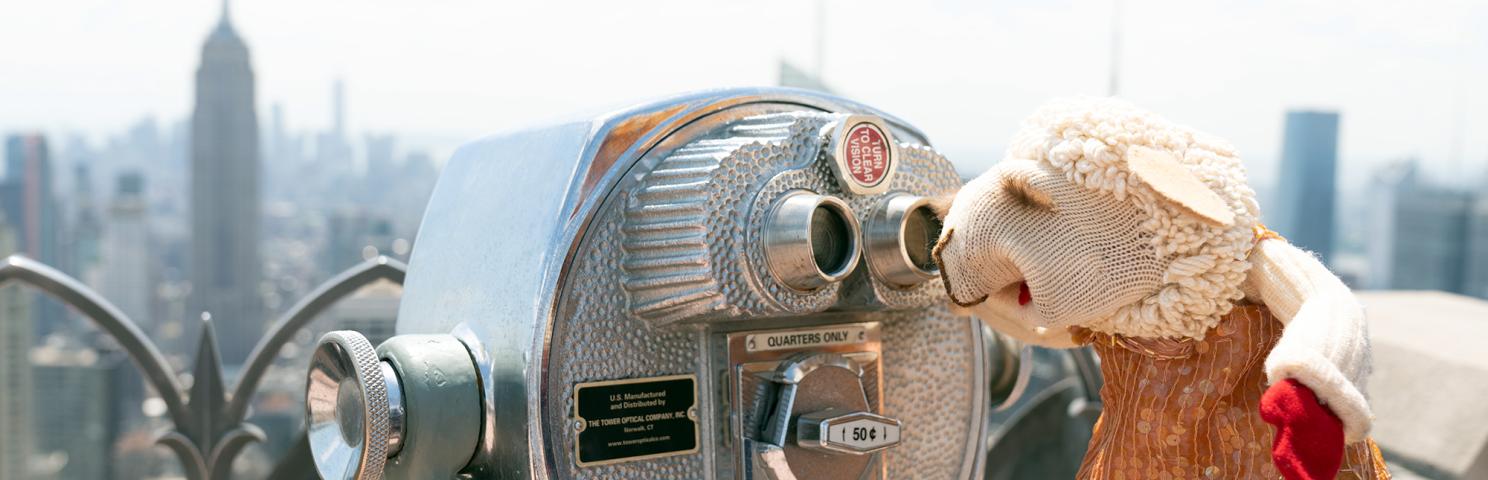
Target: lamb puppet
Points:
x,y
1226,351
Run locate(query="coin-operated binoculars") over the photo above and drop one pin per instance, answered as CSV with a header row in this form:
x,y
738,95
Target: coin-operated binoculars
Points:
x,y
732,284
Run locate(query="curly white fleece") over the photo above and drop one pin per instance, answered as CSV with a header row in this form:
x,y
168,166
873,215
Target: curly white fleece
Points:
x,y
1205,264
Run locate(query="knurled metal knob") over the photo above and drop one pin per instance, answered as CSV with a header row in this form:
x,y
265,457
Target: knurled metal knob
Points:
x,y
352,420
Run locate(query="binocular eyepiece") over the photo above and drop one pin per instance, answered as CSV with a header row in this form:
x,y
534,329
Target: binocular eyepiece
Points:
x,y
813,240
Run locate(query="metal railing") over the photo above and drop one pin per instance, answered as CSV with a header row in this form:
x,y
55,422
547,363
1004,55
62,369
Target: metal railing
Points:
x,y
209,430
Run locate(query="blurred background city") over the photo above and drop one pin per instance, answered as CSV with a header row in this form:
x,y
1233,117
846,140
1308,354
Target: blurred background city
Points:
x,y
191,156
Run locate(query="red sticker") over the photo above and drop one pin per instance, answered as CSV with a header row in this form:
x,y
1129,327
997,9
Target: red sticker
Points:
x,y
868,154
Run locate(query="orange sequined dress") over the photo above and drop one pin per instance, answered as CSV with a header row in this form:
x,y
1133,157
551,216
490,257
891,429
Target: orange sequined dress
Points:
x,y
1190,409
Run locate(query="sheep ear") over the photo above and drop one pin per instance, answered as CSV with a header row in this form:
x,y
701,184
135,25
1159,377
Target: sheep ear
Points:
x,y
1174,182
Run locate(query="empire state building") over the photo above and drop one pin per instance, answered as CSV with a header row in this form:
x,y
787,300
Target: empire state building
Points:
x,y
225,263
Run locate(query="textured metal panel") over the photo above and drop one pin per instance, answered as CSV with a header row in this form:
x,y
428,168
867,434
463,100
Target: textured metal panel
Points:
x,y
930,385
670,231
601,342
666,310
502,236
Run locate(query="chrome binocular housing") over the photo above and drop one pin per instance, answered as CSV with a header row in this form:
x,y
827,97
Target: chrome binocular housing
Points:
x,y
731,284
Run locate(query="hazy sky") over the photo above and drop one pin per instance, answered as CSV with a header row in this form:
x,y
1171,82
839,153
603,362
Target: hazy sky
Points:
x,y
1407,76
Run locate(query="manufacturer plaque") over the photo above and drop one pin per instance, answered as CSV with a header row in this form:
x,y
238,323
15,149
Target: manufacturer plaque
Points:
x,y
635,419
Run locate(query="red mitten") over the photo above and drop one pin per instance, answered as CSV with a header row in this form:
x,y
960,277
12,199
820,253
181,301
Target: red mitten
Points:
x,y
1308,443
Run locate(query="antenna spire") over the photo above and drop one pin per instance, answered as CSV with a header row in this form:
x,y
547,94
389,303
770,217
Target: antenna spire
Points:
x,y
1113,87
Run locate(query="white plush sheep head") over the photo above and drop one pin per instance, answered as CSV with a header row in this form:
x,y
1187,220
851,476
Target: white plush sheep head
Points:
x,y
1105,217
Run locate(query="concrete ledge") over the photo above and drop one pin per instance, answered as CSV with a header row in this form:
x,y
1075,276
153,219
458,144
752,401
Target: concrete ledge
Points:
x,y
1429,390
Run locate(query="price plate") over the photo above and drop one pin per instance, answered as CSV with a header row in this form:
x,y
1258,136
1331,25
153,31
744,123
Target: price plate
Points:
x,y
864,435
635,419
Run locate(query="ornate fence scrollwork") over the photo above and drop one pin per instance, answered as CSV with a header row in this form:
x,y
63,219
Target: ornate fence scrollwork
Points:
x,y
209,428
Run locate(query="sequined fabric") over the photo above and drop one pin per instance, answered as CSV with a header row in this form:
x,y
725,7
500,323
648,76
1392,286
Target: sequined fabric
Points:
x,y
1190,409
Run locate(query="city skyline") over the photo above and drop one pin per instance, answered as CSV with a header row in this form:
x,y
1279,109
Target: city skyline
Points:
x,y
461,80
255,175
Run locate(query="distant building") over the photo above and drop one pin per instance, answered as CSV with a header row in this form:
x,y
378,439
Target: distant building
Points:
x,y
74,411
353,235
332,147
30,205
226,266
1419,236
1304,209
124,273
85,233
1475,281
382,171
415,182
372,311
793,76
16,331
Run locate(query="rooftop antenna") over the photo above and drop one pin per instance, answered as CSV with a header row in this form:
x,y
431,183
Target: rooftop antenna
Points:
x,y
1459,119
1113,87
821,40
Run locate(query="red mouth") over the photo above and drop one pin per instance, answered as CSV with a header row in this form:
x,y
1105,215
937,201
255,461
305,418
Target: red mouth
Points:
x,y
1024,295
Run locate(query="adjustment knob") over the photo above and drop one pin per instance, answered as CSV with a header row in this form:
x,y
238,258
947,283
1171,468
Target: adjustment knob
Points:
x,y
354,406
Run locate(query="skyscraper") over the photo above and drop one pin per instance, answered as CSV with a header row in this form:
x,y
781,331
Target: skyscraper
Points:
x,y
332,147
1475,281
33,208
73,410
124,275
30,207
1309,160
15,370
1419,233
225,263
85,231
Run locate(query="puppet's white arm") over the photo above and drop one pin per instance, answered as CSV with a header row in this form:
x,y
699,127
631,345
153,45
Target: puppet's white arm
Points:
x,y
1325,344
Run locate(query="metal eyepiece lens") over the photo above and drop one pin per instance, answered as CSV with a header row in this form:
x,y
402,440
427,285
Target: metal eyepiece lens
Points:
x,y
811,240
901,235
921,231
831,240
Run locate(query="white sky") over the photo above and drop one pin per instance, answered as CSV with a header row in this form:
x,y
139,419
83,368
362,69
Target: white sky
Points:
x,y
1404,74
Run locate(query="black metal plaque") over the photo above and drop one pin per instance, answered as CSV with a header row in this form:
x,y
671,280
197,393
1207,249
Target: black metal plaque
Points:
x,y
635,419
